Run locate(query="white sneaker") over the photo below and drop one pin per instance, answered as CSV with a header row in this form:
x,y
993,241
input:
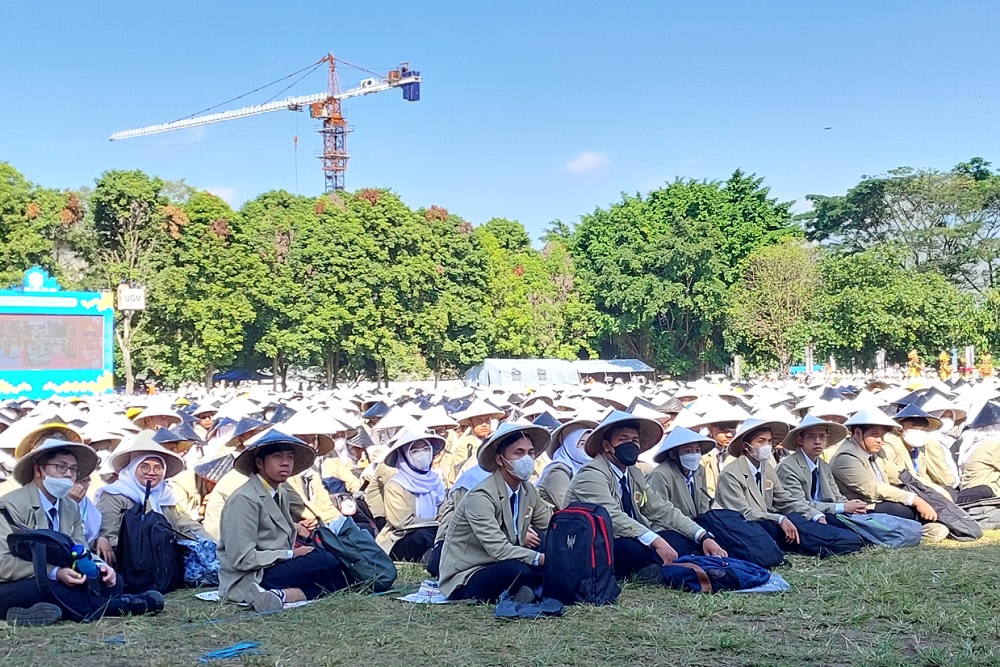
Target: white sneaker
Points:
x,y
266,601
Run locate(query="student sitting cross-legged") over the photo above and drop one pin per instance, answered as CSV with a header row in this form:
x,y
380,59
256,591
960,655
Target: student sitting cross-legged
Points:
x,y
649,531
47,474
489,548
750,485
259,562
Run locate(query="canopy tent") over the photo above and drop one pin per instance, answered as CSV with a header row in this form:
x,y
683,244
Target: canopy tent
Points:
x,y
530,372
602,369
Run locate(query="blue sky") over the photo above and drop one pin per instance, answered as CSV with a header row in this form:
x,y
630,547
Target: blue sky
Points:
x,y
531,110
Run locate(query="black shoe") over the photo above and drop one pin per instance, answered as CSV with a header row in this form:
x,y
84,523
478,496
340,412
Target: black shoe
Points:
x,y
651,574
36,615
524,595
149,602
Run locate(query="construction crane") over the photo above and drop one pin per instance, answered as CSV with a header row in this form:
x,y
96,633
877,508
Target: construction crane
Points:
x,y
323,106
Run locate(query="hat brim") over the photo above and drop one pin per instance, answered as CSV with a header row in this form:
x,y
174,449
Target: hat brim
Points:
x,y
486,455
559,435
31,439
174,463
705,446
304,457
739,441
837,433
391,456
650,434
86,461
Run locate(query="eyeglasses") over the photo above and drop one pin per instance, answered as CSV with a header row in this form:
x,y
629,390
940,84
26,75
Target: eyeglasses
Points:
x,y
62,469
150,468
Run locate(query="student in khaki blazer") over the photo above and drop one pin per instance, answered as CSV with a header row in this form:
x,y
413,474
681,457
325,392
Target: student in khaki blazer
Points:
x,y
750,485
806,476
857,467
46,475
679,476
567,452
259,562
648,530
412,497
721,422
140,461
915,449
488,548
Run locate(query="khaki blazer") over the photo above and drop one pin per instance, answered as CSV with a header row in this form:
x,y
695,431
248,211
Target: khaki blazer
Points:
x,y
231,481
316,501
596,483
25,506
738,490
710,464
552,485
257,532
332,466
852,469
933,463
457,452
897,458
796,477
447,510
400,516
482,530
668,480
113,505
983,467
184,486
376,487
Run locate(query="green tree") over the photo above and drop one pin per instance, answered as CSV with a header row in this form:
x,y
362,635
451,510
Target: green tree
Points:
x,y
202,303
661,266
942,221
769,305
872,300
132,223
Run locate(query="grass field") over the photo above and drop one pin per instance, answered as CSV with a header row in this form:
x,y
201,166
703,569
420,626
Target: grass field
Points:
x,y
930,605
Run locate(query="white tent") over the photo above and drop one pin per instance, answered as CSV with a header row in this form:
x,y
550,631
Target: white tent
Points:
x,y
521,372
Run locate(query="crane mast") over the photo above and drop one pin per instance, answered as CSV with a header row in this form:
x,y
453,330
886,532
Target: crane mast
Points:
x,y
325,107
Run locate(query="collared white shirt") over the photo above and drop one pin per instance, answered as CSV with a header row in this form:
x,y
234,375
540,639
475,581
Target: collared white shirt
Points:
x,y
813,466
649,536
46,506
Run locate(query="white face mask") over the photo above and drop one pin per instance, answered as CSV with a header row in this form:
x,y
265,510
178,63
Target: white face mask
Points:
x,y
58,487
947,423
522,468
690,462
348,506
763,452
914,437
421,460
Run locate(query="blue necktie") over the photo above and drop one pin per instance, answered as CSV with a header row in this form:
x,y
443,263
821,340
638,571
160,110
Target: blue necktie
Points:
x,y
513,513
815,493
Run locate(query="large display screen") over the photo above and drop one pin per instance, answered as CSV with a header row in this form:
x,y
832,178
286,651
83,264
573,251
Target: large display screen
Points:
x,y
51,342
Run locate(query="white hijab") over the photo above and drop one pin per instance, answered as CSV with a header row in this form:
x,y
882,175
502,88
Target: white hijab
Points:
x,y
160,496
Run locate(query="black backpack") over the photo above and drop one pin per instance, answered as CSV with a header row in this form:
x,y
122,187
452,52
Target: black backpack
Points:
x,y
742,539
148,557
579,556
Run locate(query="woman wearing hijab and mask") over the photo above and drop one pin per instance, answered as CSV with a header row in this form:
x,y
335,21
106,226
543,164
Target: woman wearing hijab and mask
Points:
x,y
142,462
412,497
568,454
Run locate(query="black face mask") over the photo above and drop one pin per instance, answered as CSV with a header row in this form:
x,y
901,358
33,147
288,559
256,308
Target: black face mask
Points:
x,y
627,453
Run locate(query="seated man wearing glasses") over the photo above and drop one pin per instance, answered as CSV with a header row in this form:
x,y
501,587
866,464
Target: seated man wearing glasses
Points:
x,y
47,474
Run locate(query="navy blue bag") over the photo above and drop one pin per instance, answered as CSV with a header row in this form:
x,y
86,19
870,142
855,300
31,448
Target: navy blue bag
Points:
x,y
742,539
711,574
579,556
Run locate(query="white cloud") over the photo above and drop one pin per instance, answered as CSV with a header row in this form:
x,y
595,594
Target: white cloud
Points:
x,y
586,162
223,192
